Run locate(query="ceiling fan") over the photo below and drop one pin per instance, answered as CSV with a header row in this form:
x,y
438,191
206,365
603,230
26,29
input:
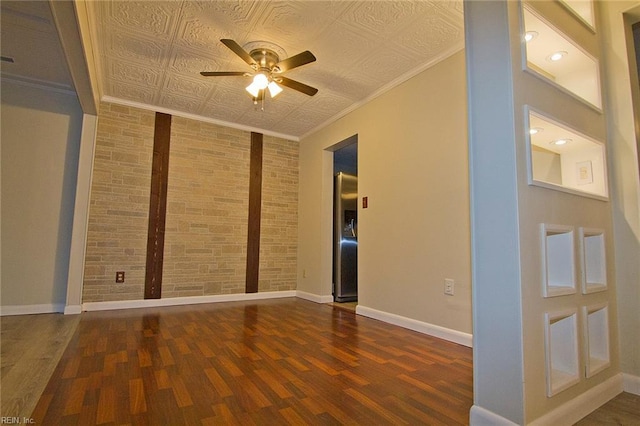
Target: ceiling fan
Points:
x,y
267,70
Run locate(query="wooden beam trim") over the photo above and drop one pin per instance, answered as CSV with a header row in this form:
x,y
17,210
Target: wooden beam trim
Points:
x,y
255,206
157,206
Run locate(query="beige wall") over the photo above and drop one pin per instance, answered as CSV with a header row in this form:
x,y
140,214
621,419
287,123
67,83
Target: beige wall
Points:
x,y
546,165
625,183
412,163
207,209
510,350
538,206
524,398
40,143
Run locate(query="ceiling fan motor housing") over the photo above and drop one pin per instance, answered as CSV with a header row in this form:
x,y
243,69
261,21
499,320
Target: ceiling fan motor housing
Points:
x,y
266,59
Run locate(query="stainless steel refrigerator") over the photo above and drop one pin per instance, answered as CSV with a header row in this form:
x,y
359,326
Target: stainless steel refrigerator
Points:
x,y
345,238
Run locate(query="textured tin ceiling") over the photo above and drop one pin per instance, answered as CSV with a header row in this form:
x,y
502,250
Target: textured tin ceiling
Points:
x,y
151,53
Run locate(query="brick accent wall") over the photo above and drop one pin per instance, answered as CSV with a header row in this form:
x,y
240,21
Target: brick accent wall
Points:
x,y
119,206
207,209
279,219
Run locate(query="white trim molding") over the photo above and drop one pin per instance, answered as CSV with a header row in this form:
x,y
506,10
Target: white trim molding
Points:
x,y
481,417
196,117
72,309
448,334
631,383
48,308
584,404
314,297
567,414
192,300
387,87
75,277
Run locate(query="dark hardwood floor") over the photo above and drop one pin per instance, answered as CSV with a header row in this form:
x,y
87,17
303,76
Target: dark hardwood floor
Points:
x,y
285,361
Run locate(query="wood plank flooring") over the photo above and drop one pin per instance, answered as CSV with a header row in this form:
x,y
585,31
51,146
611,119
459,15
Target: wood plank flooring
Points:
x,y
623,410
285,361
30,348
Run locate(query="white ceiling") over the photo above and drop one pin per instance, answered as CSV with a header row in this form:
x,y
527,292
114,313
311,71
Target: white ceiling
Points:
x,y
30,38
151,53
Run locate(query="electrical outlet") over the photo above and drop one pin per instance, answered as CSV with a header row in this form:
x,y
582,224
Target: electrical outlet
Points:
x,y
120,277
449,285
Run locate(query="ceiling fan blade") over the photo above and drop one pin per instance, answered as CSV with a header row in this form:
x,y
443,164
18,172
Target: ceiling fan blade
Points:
x,y
296,85
238,50
222,73
295,61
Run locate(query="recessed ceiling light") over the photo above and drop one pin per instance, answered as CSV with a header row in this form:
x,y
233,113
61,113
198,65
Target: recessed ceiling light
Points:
x,y
556,56
560,142
530,35
535,130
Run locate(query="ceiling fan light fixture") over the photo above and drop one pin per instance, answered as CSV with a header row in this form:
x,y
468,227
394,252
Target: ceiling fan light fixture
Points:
x,y
261,81
274,89
267,69
253,89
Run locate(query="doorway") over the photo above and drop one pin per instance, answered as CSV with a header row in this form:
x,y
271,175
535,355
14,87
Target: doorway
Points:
x,y
345,221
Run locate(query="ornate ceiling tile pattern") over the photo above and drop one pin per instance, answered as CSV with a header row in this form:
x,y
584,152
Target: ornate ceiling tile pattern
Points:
x,y
152,52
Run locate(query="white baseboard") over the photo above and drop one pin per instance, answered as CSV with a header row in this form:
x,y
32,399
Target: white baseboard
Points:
x,y
572,411
72,309
48,308
454,336
314,297
193,300
479,416
567,414
631,383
